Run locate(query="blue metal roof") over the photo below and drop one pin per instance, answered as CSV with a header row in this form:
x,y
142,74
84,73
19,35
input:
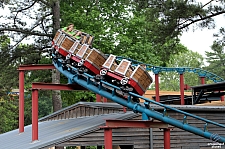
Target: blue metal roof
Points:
x,y
57,131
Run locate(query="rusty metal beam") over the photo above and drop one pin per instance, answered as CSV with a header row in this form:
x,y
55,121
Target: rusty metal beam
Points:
x,y
36,67
51,86
134,124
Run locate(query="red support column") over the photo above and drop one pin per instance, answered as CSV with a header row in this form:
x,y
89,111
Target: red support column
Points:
x,y
166,133
108,138
182,89
157,87
34,114
98,98
21,69
124,109
222,98
104,99
202,80
21,101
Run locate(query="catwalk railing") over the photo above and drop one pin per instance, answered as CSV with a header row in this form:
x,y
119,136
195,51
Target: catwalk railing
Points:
x,y
157,69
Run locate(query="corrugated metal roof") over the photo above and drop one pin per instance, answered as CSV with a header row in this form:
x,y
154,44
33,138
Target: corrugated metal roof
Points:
x,y
90,104
58,131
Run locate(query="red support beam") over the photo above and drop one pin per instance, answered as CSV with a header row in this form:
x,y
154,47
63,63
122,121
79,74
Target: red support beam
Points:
x,y
51,86
186,87
108,138
134,124
166,133
202,80
124,109
21,101
182,89
21,69
45,86
111,124
36,67
34,114
157,87
104,99
222,98
98,98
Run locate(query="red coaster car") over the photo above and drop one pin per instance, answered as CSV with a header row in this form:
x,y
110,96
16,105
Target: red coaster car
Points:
x,y
125,76
78,55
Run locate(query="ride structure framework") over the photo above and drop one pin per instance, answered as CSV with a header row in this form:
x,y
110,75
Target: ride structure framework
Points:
x,y
86,81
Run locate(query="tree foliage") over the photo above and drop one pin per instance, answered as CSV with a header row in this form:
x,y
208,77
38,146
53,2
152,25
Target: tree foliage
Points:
x,y
171,81
9,116
215,58
170,18
145,30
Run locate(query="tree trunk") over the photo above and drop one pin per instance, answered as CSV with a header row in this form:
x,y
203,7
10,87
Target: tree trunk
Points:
x,y
56,95
56,15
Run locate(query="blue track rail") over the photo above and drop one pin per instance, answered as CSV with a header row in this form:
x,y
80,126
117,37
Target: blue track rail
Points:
x,y
180,70
88,82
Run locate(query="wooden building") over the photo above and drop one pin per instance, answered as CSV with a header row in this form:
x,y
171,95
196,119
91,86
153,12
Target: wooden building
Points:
x,y
141,138
79,125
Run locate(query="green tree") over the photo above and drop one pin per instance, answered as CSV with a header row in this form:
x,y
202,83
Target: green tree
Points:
x,y
36,21
171,81
216,58
72,97
144,30
170,18
118,28
9,115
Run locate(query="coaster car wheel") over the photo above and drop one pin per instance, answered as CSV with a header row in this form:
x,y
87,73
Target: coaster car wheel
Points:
x,y
103,72
68,56
124,81
74,64
82,70
99,77
81,63
127,89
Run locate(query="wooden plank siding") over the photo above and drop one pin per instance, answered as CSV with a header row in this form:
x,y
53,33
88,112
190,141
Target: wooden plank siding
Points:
x,y
181,139
140,137
81,111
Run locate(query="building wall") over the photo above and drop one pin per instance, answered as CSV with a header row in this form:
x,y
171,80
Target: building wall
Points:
x,y
181,139
140,137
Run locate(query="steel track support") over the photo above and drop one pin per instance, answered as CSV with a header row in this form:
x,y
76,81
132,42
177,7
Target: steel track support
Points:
x,y
22,69
157,88
34,114
182,89
21,101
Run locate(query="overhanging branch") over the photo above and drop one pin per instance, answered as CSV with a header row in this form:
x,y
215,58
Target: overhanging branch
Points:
x,y
18,11
201,19
20,30
207,3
